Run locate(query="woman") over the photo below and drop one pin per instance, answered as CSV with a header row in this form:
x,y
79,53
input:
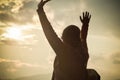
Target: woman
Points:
x,y
71,53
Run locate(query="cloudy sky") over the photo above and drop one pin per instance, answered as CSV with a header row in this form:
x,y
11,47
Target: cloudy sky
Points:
x,y
24,50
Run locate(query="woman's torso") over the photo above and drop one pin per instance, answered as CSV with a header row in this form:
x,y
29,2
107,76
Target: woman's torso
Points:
x,y
71,65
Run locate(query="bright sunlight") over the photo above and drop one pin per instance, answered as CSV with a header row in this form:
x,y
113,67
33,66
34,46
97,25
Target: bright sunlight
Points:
x,y
14,33
23,34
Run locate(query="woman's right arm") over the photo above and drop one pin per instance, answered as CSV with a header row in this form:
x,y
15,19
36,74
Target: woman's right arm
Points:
x,y
51,36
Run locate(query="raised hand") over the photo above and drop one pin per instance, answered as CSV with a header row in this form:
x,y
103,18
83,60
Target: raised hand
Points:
x,y
85,18
42,3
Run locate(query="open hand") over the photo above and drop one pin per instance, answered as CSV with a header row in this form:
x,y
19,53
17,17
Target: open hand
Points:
x,y
42,3
85,18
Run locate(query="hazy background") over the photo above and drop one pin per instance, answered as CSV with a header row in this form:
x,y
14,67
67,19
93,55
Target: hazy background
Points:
x,y
24,50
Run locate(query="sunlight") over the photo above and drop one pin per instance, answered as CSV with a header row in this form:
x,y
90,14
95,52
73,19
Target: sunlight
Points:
x,y
23,34
14,33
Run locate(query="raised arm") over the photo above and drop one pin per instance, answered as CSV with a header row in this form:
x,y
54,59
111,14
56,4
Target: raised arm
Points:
x,y
51,36
84,31
85,24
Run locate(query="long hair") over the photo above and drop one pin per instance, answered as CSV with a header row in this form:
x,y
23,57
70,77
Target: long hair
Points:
x,y
71,35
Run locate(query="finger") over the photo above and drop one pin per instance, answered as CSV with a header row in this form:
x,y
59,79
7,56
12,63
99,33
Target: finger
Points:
x,y
81,19
41,1
45,2
83,14
89,16
86,14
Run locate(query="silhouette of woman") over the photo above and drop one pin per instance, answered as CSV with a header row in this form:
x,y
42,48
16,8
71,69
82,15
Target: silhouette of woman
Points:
x,y
71,53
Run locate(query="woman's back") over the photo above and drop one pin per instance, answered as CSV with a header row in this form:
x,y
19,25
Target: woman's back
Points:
x,y
71,64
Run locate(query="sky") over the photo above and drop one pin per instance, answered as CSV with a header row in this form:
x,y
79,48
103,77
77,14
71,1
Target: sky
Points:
x,y
24,50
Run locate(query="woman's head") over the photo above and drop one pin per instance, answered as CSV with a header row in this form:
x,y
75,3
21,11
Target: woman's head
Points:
x,y
71,35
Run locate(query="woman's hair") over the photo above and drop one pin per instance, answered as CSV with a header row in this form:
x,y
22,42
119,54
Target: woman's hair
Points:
x,y
71,34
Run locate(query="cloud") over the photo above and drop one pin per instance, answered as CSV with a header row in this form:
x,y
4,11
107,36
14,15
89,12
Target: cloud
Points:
x,y
10,6
7,18
107,65
67,11
27,33
7,10
116,58
11,68
17,63
17,11
105,18
30,4
8,67
8,41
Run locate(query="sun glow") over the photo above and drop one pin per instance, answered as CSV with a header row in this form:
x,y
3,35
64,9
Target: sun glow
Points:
x,y
14,33
20,34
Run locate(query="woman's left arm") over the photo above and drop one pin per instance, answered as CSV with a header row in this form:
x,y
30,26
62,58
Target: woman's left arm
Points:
x,y
84,32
